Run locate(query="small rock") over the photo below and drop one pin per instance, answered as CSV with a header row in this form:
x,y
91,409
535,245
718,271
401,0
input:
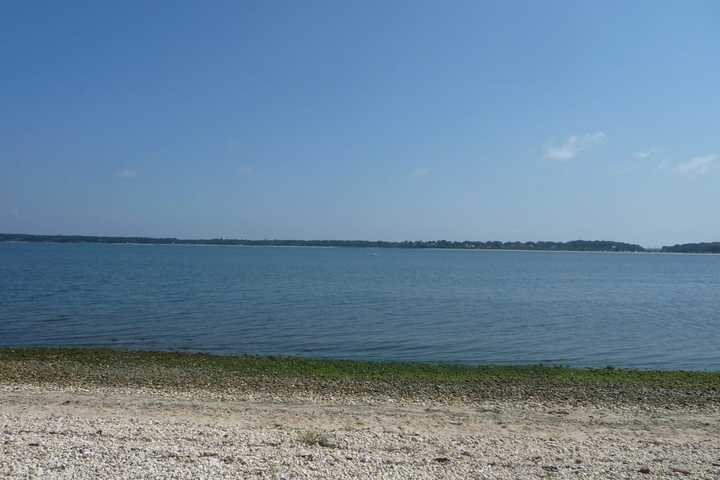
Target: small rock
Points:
x,y
681,471
645,470
442,459
33,444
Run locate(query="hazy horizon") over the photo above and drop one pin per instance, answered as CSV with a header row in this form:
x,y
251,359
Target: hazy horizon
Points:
x,y
400,120
310,239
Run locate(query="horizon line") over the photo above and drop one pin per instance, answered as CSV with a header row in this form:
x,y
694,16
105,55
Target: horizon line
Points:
x,y
338,240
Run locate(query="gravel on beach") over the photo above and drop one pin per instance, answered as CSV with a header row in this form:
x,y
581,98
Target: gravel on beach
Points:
x,y
73,432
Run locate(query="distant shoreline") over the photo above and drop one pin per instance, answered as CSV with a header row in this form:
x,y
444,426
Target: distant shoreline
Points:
x,y
600,246
574,245
484,250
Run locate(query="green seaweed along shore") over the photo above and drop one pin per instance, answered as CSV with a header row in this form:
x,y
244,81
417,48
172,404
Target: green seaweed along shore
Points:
x,y
406,381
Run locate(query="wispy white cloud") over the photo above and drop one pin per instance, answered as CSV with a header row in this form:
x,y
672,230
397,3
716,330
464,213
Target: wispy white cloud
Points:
x,y
127,173
574,145
422,172
696,166
643,155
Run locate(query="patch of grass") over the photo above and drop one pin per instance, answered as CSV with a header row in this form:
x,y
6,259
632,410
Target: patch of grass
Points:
x,y
312,438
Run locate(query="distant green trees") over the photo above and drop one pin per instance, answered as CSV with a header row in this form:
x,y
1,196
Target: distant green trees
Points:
x,y
703,247
575,245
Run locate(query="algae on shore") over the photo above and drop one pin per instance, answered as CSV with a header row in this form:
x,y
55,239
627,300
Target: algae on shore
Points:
x,y
171,370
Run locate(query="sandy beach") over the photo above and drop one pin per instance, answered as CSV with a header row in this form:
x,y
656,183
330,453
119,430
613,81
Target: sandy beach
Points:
x,y
82,430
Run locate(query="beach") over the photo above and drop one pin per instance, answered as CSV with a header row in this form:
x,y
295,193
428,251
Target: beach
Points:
x,y
76,414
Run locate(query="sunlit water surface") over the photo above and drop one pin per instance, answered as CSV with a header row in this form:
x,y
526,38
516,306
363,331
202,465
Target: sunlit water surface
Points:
x,y
578,309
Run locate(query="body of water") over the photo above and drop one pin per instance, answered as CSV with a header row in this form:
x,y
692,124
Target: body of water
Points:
x,y
501,307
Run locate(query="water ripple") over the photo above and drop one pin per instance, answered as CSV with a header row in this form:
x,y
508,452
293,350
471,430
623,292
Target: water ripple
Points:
x,y
643,311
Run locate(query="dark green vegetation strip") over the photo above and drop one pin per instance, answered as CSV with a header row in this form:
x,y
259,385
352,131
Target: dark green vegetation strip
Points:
x,y
182,371
575,245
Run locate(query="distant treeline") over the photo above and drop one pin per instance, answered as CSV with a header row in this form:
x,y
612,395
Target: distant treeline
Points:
x,y
576,245
705,247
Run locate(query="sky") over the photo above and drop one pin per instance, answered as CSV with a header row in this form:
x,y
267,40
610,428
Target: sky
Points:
x,y
393,120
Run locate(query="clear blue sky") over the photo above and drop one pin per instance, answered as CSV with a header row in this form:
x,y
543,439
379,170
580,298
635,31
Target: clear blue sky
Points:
x,y
533,120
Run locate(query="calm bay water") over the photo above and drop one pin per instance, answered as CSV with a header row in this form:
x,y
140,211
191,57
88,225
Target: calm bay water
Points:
x,y
579,309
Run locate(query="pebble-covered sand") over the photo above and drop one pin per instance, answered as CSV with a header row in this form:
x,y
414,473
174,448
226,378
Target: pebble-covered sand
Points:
x,y
69,432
